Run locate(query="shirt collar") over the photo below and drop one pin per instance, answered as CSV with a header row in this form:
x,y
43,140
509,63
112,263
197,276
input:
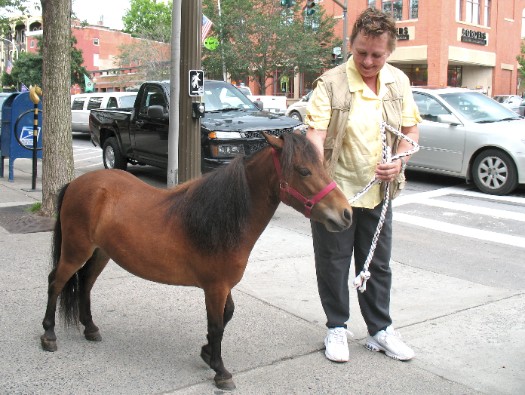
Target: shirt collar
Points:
x,y
356,83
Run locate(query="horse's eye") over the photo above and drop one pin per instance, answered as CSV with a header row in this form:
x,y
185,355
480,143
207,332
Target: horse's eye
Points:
x,y
303,171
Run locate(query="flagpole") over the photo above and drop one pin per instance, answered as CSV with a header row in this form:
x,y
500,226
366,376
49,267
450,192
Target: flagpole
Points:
x,y
224,73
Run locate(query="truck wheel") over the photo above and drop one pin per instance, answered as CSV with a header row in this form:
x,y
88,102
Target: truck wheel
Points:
x,y
111,155
494,172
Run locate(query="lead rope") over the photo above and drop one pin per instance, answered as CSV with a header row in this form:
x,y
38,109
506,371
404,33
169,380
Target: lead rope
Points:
x,y
386,157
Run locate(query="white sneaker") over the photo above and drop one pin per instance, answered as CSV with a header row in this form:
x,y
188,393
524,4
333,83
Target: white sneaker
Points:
x,y
389,341
336,344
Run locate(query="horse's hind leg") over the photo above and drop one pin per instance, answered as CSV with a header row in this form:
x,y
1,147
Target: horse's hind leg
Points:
x,y
220,311
87,277
61,278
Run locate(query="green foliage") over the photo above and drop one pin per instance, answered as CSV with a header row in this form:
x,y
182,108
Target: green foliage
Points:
x,y
11,7
27,69
260,36
149,19
521,60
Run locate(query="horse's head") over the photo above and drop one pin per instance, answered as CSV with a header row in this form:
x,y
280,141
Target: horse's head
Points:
x,y
305,184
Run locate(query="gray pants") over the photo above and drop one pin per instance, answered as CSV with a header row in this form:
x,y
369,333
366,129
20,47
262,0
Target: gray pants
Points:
x,y
333,253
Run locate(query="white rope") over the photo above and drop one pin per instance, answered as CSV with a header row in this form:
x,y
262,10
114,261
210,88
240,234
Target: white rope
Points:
x,y
386,157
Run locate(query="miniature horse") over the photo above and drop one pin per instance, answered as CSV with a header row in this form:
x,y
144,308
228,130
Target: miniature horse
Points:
x,y
199,233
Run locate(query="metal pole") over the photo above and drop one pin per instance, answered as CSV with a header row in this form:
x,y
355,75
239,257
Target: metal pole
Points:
x,y
345,27
173,136
224,73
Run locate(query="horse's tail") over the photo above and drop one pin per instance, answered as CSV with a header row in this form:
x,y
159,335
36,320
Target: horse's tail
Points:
x,y
69,295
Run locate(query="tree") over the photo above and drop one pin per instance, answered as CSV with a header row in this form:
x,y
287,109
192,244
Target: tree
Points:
x,y
27,69
57,164
11,6
521,60
149,19
259,37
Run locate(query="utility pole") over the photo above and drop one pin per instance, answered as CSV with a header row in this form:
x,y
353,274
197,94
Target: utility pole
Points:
x,y
190,59
173,136
345,28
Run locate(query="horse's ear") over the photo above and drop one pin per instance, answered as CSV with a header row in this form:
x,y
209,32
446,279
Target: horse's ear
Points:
x,y
275,142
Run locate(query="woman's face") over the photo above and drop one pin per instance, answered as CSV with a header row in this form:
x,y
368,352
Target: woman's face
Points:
x,y
370,54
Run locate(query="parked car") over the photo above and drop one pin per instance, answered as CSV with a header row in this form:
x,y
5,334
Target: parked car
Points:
x,y
83,103
521,108
298,109
510,101
467,134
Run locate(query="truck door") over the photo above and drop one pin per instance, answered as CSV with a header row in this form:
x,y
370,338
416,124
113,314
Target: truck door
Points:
x,y
149,134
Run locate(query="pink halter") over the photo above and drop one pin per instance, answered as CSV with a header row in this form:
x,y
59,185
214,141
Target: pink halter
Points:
x,y
286,189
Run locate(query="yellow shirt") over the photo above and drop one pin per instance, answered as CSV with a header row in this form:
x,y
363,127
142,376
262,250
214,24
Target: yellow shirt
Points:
x,y
362,147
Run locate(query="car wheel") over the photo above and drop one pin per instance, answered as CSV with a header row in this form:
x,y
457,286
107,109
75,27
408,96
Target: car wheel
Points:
x,y
111,155
295,115
494,172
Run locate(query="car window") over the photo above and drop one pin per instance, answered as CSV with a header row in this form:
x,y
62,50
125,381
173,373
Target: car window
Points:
x,y
78,103
153,95
112,102
429,108
127,101
94,103
477,107
220,97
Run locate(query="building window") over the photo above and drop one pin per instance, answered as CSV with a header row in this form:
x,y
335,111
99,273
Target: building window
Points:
x,y
394,8
417,73
486,13
32,44
472,12
371,3
455,76
414,9
95,41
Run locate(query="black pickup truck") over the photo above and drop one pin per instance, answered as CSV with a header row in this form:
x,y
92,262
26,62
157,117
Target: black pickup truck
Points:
x,y
231,126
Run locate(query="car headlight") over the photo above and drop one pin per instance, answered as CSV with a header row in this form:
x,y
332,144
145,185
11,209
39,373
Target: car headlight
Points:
x,y
224,135
302,128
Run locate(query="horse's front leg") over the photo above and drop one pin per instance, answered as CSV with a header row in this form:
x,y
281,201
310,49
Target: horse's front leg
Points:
x,y
219,310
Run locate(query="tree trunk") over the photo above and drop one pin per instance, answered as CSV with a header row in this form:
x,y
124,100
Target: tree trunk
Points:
x,y
57,152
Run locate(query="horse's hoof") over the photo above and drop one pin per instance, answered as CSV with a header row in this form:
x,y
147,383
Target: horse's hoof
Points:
x,y
93,336
225,384
206,356
48,345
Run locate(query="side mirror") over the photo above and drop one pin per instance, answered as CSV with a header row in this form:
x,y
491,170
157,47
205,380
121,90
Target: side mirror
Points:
x,y
259,104
448,118
157,112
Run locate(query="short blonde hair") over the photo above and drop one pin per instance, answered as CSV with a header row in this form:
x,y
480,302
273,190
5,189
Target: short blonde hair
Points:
x,y
373,22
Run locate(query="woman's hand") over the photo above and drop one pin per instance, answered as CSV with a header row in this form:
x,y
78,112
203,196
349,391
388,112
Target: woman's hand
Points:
x,y
389,171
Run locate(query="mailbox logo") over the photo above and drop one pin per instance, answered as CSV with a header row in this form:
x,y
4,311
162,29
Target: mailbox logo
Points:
x,y
26,136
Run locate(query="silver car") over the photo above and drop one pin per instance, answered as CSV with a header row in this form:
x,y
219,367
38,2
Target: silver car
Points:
x,y
298,109
467,134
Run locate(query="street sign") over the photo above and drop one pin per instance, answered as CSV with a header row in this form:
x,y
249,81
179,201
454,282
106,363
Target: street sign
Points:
x,y
196,81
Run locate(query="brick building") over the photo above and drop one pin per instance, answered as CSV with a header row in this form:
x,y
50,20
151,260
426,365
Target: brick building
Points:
x,y
469,43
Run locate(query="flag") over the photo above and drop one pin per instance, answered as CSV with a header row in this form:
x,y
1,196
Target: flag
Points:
x,y
206,26
23,88
8,67
90,86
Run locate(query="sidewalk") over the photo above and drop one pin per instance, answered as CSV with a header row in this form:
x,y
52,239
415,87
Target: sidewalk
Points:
x,y
468,338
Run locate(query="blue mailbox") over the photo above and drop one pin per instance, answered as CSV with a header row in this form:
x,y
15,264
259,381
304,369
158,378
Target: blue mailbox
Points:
x,y
16,138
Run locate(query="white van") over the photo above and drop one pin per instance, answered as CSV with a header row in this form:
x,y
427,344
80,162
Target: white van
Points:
x,y
83,103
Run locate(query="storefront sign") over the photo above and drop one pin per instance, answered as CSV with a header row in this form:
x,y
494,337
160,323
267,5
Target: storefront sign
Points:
x,y
473,37
402,33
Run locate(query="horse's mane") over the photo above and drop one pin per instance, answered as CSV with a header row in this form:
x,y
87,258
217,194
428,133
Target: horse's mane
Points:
x,y
215,208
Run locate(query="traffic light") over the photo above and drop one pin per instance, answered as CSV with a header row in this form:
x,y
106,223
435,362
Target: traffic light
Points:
x,y
287,3
310,7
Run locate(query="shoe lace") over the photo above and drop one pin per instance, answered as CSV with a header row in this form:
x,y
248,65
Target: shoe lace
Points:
x,y
339,335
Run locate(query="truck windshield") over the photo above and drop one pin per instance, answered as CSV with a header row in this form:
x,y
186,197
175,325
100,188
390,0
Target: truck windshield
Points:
x,y
220,96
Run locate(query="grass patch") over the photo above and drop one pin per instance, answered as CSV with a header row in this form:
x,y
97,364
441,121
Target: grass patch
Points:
x,y
35,208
